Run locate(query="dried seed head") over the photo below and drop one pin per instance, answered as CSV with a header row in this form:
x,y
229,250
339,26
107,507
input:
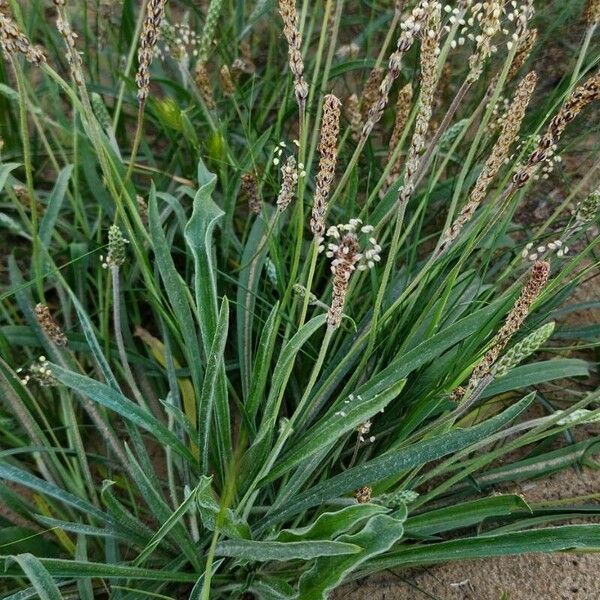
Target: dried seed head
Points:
x,y
591,13
370,92
49,325
346,256
429,81
330,128
226,81
526,44
289,15
155,12
410,28
530,292
13,40
116,249
511,125
202,79
583,95
70,38
402,113
363,494
289,179
249,190
352,111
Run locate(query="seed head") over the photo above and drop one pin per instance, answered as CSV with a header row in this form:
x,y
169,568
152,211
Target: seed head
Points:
x,y
249,190
583,95
330,128
352,111
49,325
410,29
526,44
202,79
371,90
429,81
116,249
289,173
226,81
345,250
510,129
530,292
155,12
210,26
363,494
13,40
70,38
289,16
591,13
402,113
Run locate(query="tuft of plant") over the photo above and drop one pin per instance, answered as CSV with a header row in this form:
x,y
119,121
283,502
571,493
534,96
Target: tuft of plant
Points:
x,y
284,291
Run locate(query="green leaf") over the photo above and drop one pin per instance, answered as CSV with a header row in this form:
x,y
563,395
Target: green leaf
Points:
x,y
210,511
176,291
265,551
262,362
393,462
38,576
55,201
16,475
464,514
57,567
331,524
352,413
199,238
252,260
377,536
115,401
536,373
551,539
215,366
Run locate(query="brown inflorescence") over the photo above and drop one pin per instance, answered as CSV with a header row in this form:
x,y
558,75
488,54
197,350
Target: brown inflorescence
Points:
x,y
402,113
410,29
583,95
330,128
155,12
530,292
49,325
249,190
289,15
289,173
343,264
511,125
13,40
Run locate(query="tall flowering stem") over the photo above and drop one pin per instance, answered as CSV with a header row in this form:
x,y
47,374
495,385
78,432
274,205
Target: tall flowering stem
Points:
x,y
500,152
289,16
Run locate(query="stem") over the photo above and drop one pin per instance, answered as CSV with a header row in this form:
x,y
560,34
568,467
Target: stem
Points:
x,y
116,285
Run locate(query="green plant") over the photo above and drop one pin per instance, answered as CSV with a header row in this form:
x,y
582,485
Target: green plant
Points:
x,y
237,321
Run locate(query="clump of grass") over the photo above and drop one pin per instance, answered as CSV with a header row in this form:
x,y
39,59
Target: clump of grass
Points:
x,y
256,342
